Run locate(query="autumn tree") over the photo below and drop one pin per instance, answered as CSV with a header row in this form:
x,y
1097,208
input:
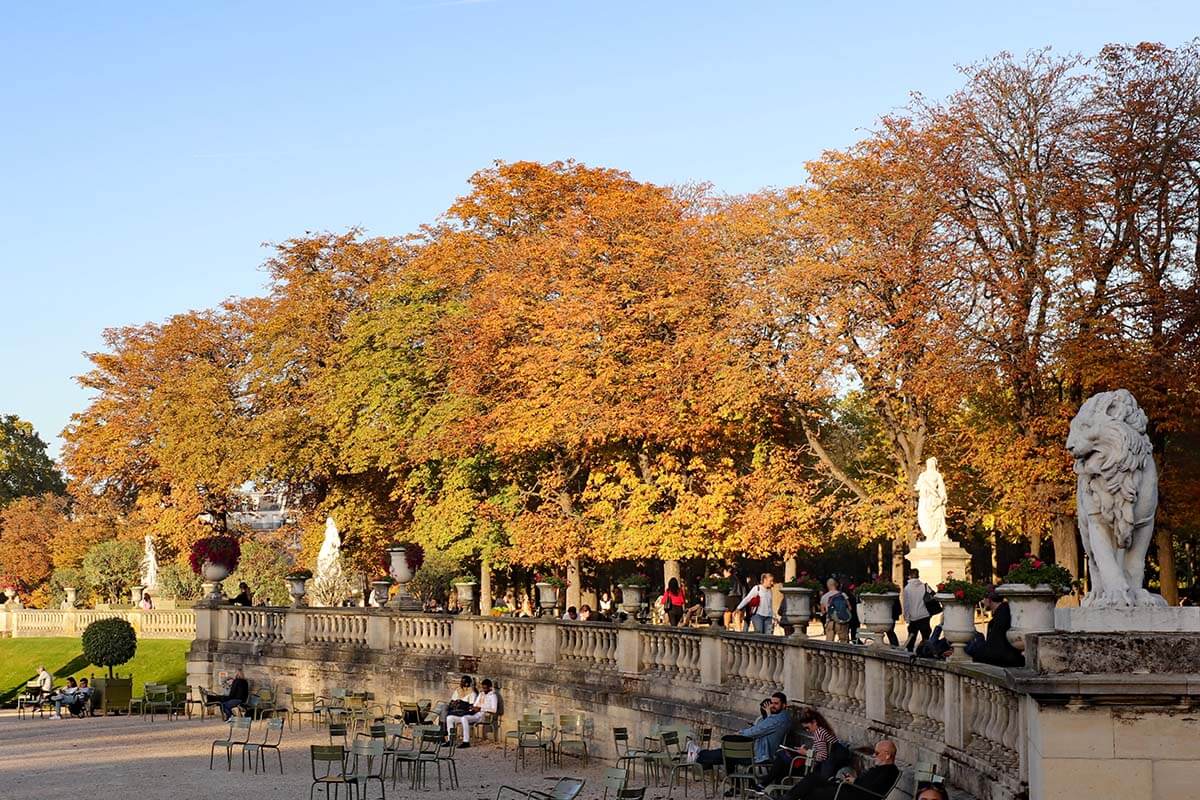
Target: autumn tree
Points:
x,y
26,469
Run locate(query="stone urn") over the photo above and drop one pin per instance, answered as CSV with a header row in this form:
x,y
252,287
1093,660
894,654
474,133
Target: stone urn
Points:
x,y
379,592
403,574
297,588
1032,610
547,596
875,614
631,599
958,624
715,603
466,595
135,594
797,609
213,574
72,595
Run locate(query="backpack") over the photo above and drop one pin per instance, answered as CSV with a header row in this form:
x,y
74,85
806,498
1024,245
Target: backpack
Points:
x,y
932,604
839,608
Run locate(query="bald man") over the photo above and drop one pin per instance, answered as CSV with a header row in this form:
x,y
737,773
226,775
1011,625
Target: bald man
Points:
x,y
878,780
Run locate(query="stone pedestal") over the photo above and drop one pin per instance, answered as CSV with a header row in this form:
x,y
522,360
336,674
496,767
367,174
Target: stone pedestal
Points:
x,y
1143,619
936,560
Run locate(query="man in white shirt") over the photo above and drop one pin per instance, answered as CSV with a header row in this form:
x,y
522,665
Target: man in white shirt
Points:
x,y
915,612
45,680
761,616
485,703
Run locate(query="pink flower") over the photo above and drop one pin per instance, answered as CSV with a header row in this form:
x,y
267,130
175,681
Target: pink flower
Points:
x,y
1037,564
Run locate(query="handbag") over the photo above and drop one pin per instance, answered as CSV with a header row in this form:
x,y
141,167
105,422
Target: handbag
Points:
x,y
932,604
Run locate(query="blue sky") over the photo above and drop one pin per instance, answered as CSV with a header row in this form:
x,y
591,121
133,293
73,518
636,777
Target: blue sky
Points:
x,y
148,150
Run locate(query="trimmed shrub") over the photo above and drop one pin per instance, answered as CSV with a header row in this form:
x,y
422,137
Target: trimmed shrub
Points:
x,y
109,643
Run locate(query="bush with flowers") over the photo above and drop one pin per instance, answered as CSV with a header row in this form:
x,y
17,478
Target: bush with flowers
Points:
x,y
803,581
221,549
966,591
1032,571
299,575
716,583
879,585
549,578
637,579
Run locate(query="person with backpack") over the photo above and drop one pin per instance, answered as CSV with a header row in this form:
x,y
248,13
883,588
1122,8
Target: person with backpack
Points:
x,y
757,604
836,608
916,609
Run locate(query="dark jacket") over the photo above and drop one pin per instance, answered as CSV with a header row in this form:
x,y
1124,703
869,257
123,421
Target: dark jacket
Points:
x,y
996,648
242,599
878,779
239,689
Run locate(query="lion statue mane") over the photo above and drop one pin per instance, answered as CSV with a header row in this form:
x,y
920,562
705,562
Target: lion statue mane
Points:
x,y
1116,497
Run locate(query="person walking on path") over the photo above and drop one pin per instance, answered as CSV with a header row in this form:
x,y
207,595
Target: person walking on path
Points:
x,y
915,612
757,603
674,602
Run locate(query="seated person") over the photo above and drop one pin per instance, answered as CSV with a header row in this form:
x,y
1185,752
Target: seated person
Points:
x,y
996,649
936,646
485,702
873,783
244,598
239,693
767,733
821,750
83,696
64,697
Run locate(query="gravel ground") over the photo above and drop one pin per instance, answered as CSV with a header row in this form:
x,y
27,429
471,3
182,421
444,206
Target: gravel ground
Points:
x,y
123,758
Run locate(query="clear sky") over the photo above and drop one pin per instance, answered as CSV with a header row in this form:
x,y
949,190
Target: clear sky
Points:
x,y
148,150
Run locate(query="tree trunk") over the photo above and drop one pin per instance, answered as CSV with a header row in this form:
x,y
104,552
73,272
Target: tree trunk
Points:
x,y
670,570
898,541
1168,582
995,558
1035,542
1066,549
485,586
574,584
790,567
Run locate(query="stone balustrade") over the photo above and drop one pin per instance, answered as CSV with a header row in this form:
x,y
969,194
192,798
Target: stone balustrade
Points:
x,y
156,624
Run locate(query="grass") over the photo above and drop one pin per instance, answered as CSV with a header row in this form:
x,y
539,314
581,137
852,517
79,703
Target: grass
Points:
x,y
157,661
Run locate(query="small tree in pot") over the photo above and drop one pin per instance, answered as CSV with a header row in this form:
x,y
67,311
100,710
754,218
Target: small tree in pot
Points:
x,y
109,643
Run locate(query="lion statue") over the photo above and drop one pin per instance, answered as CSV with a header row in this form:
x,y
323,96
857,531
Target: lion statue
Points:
x,y
1117,496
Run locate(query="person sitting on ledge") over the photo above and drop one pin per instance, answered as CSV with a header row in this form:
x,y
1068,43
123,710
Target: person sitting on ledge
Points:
x,y
996,649
767,733
871,785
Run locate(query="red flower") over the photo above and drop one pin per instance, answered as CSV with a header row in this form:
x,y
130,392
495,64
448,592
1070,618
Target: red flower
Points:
x,y
1037,564
960,594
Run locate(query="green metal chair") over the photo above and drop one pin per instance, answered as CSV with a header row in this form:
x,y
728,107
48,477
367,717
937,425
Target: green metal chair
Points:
x,y
564,789
528,716
239,734
530,738
571,737
304,704
737,759
614,780
366,764
272,738
328,769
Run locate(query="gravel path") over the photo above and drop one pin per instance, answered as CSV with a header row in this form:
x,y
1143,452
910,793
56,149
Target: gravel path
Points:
x,y
123,758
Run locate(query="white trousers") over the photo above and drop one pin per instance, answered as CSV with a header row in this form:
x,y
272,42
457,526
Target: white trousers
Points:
x,y
464,723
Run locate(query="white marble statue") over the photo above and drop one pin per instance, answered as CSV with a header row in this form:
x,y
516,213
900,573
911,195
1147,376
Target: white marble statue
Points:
x,y
330,586
931,505
1116,497
150,566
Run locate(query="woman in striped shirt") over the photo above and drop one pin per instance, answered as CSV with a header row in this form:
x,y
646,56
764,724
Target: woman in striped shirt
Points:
x,y
823,738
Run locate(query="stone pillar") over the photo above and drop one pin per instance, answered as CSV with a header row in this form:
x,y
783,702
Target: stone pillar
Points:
x,y
952,712
936,560
294,626
875,683
629,657
205,623
545,643
379,631
462,636
670,570
712,659
795,673
135,619
574,583
222,623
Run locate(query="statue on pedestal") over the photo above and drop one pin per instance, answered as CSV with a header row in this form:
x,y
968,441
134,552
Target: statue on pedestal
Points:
x,y
1116,497
931,506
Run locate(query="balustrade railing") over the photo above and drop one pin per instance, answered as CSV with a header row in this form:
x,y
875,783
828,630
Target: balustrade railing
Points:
x,y
422,634
589,645
335,627
155,624
507,639
671,655
255,625
753,663
991,729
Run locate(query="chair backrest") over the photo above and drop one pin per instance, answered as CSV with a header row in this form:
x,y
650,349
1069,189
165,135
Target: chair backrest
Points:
x,y
737,747
308,699
368,756
614,778
529,727
337,729
239,728
567,788
704,736
431,741
670,741
632,794
327,756
274,734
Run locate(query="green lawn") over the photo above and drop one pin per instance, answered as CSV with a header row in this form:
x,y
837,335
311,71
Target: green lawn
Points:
x,y
157,661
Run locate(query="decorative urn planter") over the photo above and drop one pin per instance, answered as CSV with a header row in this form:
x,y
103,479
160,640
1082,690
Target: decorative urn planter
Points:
x,y
631,600
958,624
875,614
1032,610
135,594
715,603
72,595
797,610
297,588
547,596
403,574
466,595
379,592
213,574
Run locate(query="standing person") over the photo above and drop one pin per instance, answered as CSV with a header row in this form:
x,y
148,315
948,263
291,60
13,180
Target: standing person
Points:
x,y
836,609
915,612
890,633
605,605
757,603
243,598
854,623
674,602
